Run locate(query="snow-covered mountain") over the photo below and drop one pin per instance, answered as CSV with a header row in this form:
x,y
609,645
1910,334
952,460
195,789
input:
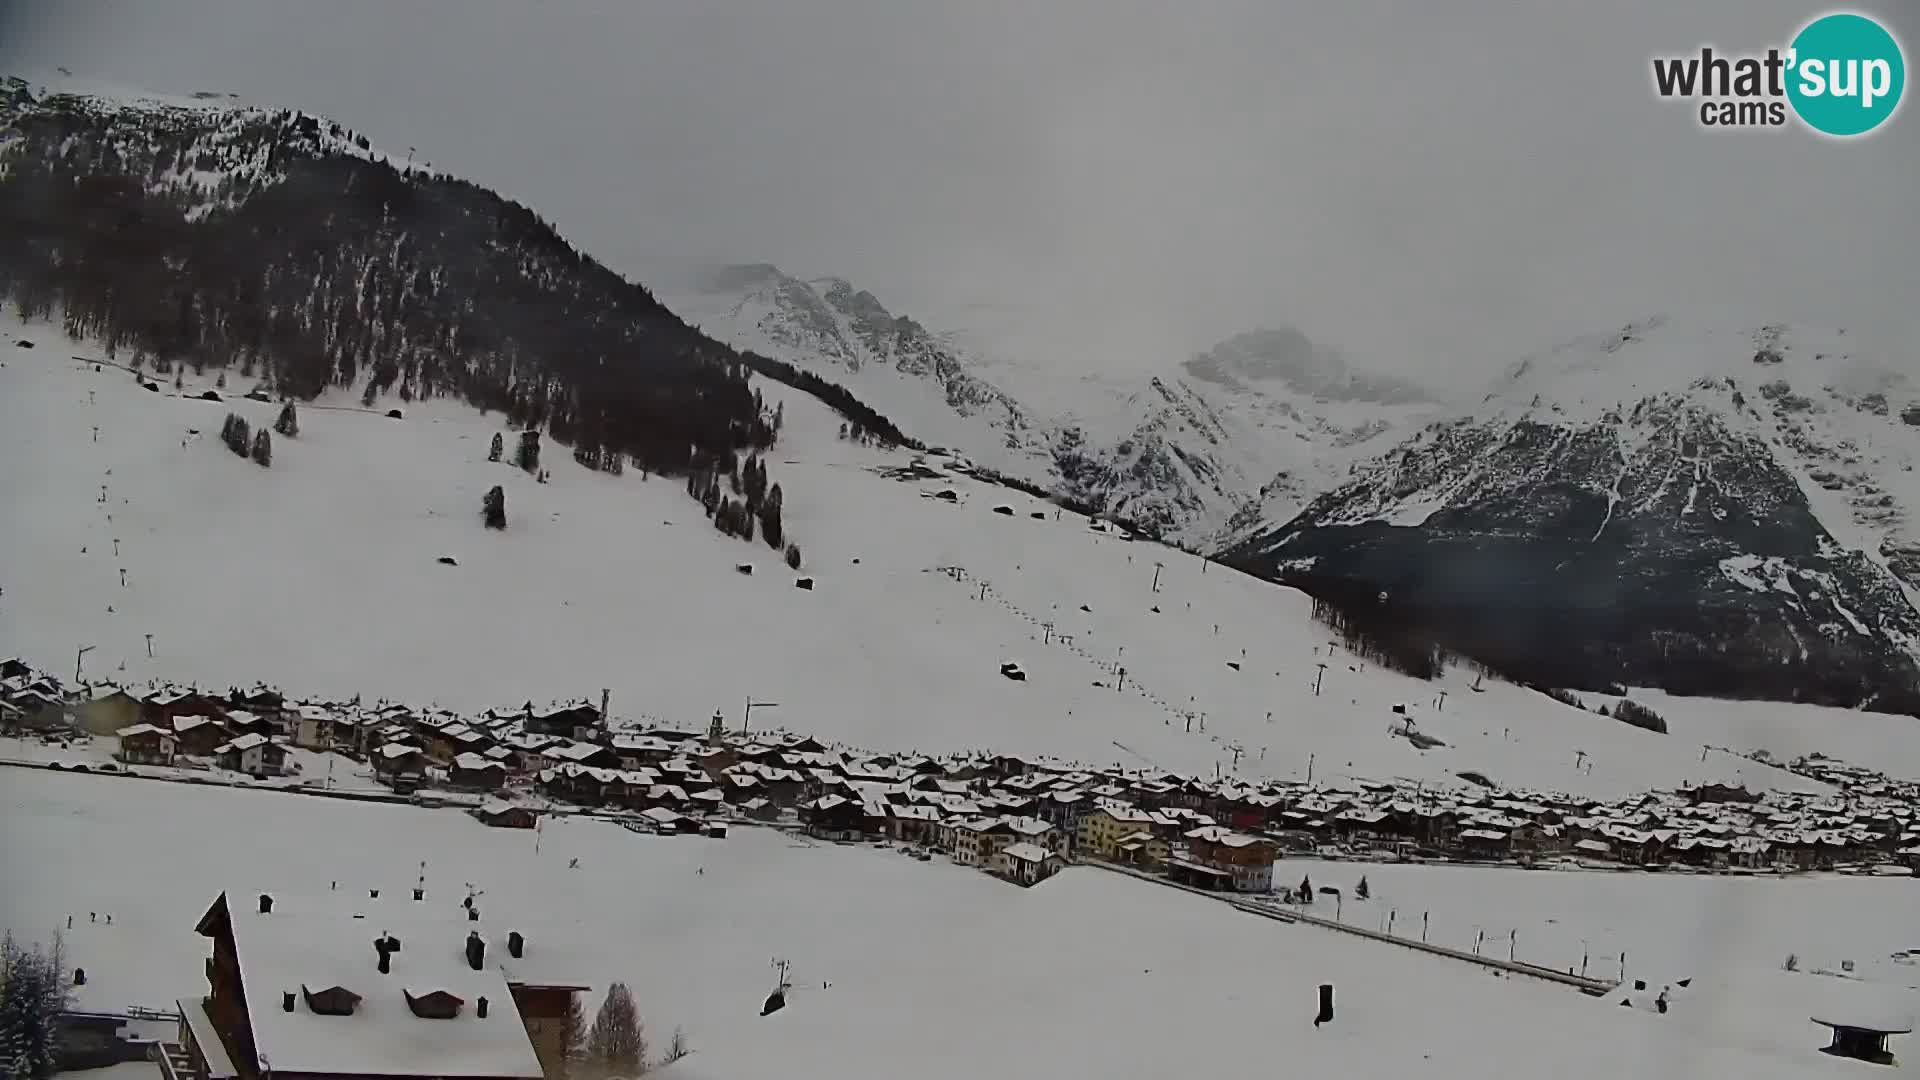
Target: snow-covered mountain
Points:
x,y
1260,422
1703,508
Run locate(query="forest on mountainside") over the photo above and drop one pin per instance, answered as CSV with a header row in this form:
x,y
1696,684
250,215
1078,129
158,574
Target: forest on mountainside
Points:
x,y
279,246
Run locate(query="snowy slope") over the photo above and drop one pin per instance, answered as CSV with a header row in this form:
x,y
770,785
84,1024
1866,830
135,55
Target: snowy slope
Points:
x,y
902,968
1667,478
320,575
1265,419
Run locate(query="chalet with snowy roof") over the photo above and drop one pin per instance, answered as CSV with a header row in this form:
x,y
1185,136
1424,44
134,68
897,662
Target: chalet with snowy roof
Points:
x,y
834,817
1026,864
162,706
399,762
196,734
146,744
575,720
476,772
504,815
976,841
1245,860
253,754
388,993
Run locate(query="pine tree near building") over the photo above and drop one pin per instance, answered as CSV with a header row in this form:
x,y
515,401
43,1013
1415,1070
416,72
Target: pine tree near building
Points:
x,y
33,995
262,448
289,423
617,1042
573,1038
493,508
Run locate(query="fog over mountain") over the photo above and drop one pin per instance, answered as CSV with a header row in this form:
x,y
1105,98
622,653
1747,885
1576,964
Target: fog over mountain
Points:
x,y
1104,185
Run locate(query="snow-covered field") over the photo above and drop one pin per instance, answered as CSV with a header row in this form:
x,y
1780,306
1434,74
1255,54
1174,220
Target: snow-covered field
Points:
x,y
320,575
934,971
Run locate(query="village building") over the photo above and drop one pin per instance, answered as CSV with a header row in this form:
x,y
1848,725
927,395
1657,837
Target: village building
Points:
x,y
1245,861
1027,863
253,754
145,744
327,995
476,771
504,815
1102,829
196,734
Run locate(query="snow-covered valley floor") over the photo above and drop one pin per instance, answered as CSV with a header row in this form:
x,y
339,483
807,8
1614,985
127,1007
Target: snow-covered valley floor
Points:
x,y
320,575
938,971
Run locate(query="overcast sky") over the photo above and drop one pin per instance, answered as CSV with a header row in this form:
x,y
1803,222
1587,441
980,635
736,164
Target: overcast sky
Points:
x,y
1106,183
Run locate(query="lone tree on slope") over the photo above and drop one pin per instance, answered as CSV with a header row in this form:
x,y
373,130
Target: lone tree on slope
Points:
x,y
262,448
289,423
1361,889
617,1043
493,508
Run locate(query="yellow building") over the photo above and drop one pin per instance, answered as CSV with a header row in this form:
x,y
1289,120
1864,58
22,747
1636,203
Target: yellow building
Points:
x,y
1102,830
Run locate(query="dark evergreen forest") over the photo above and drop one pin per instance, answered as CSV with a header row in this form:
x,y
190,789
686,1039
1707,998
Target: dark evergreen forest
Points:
x,y
276,245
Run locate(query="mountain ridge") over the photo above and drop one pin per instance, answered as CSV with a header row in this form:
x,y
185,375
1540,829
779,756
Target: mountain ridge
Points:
x,y
1708,510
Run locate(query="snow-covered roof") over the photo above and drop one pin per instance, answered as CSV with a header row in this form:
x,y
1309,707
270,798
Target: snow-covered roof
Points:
x,y
245,742
282,953
1026,852
141,729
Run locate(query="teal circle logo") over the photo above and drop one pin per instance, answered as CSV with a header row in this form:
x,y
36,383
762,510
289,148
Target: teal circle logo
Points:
x,y
1846,74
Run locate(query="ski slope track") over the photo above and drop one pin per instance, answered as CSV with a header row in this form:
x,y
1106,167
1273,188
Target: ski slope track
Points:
x,y
1707,509
321,574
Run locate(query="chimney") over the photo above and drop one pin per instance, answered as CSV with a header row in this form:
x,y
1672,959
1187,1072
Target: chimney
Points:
x,y
516,945
480,1009
476,950
286,1001
266,904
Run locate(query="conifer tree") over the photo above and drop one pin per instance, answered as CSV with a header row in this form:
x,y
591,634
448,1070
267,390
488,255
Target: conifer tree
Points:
x,y
493,508
262,448
288,425
499,447
617,1042
528,455
793,556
